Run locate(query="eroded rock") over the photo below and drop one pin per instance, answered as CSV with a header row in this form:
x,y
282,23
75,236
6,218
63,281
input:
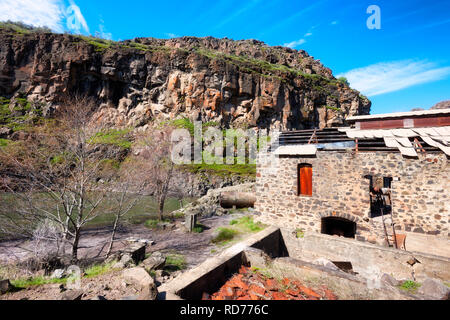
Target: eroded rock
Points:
x,y
434,288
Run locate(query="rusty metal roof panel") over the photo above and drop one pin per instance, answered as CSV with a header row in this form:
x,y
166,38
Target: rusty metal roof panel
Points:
x,y
400,114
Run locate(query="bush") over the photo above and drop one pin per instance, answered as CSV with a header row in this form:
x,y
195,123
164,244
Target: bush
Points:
x,y
343,80
410,286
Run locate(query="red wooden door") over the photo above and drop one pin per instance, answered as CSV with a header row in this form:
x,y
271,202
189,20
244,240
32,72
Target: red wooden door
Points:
x,y
305,183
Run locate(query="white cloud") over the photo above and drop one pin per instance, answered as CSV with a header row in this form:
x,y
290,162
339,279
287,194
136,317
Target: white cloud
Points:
x,y
392,76
49,13
308,34
171,35
334,22
295,43
42,13
102,33
75,19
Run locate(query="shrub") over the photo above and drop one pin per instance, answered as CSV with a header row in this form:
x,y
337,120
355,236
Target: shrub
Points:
x,y
410,286
343,80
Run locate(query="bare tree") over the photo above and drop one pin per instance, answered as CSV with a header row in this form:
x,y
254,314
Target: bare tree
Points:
x,y
156,163
60,168
125,192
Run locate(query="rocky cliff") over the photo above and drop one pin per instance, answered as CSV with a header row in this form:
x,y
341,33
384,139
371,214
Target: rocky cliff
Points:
x,y
235,83
441,105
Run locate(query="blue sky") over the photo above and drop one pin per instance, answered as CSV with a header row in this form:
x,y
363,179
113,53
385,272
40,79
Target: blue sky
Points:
x,y
403,65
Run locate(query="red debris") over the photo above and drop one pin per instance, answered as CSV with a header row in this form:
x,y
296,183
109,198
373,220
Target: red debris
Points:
x,y
251,285
272,285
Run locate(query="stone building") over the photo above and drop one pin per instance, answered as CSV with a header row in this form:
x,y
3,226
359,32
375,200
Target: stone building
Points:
x,y
384,180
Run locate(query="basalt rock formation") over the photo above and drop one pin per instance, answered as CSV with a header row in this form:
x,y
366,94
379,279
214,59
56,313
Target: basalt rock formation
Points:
x,y
234,83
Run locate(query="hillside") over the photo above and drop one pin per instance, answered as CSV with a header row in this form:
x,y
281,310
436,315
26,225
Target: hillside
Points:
x,y
242,83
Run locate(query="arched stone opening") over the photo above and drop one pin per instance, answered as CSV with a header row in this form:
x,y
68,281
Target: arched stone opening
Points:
x,y
338,226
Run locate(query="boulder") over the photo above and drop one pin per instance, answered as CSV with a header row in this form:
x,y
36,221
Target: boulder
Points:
x,y
72,295
434,288
154,262
142,281
118,265
5,286
137,276
125,260
136,251
388,280
5,132
58,274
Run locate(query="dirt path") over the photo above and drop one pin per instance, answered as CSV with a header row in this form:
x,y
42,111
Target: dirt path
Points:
x,y
196,247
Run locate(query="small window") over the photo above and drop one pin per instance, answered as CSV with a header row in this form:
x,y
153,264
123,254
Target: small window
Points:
x,y
304,183
380,195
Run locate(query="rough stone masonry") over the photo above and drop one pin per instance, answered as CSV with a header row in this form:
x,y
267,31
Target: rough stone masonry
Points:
x,y
420,202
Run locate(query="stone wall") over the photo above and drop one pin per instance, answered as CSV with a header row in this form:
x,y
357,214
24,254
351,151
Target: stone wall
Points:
x,y
367,259
420,198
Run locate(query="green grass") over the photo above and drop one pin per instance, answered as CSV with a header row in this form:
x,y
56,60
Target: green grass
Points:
x,y
333,108
98,269
186,123
225,235
246,224
153,223
90,272
223,170
114,137
22,28
260,67
35,281
410,286
4,142
237,229
199,228
23,115
178,215
175,261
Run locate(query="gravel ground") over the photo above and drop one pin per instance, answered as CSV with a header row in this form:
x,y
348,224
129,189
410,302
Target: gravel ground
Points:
x,y
196,247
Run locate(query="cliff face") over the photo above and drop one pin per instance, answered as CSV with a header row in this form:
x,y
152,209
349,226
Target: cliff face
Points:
x,y
235,83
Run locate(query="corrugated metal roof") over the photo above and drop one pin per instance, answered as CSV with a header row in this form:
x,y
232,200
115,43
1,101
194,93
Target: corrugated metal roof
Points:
x,y
438,137
400,114
300,142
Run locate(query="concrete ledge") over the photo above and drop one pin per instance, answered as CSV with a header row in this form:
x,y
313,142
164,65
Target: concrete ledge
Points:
x,y
211,274
346,286
365,256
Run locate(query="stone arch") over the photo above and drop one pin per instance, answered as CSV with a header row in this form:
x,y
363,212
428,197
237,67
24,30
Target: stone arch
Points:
x,y
343,224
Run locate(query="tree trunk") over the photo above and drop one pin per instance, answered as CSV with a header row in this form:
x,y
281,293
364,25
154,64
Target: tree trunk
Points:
x,y
113,234
162,199
75,243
